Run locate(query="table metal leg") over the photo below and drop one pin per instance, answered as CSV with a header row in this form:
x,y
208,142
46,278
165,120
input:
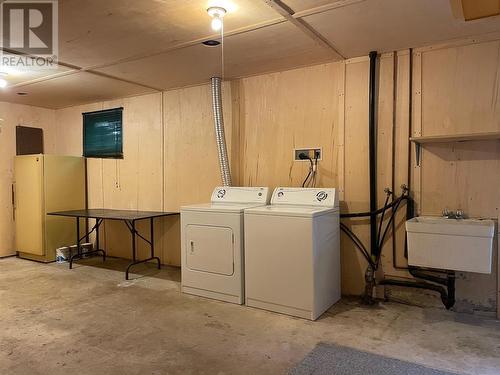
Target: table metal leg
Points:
x,y
151,243
152,237
79,254
97,248
151,223
133,241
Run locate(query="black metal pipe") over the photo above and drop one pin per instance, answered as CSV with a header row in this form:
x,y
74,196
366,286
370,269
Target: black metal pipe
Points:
x,y
376,212
451,291
389,193
425,275
394,211
357,242
372,145
410,209
447,297
393,155
410,115
410,206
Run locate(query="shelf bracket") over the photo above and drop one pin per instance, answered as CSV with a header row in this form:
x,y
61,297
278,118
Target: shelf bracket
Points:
x,y
418,153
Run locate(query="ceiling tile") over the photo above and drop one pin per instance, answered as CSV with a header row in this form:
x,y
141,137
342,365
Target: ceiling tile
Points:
x,y
18,72
278,47
473,9
74,89
183,67
272,48
95,32
388,25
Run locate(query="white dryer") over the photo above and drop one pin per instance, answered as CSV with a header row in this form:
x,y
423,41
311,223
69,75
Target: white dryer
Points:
x,y
292,252
212,243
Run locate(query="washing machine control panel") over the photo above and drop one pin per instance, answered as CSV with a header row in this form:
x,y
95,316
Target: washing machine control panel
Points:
x,y
324,197
231,194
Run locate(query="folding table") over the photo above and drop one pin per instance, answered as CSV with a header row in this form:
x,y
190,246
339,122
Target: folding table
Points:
x,y
128,217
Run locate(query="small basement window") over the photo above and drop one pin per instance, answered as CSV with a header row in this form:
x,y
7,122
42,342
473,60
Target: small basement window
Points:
x,y
103,134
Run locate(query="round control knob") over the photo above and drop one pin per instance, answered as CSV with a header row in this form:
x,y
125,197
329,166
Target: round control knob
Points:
x,y
221,193
321,196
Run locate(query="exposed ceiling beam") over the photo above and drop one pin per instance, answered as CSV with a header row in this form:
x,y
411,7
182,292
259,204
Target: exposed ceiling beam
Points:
x,y
74,69
325,8
43,79
106,75
302,25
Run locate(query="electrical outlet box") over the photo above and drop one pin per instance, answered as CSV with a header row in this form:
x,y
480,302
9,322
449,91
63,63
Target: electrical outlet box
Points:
x,y
312,152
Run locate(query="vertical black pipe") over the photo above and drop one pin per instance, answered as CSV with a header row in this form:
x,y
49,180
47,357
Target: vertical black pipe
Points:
x,y
372,144
410,209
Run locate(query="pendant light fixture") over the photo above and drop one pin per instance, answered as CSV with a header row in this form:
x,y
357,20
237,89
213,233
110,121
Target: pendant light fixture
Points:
x,y
217,14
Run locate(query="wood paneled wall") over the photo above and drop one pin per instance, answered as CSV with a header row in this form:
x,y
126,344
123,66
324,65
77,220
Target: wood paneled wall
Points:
x,y
287,110
191,161
12,115
171,159
460,94
191,166
134,182
305,108
327,106
356,185
457,91
459,88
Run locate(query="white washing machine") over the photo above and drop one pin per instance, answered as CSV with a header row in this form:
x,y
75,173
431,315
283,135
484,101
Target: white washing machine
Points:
x,y
212,243
292,252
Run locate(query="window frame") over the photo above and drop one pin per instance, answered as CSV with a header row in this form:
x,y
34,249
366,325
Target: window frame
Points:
x,y
119,154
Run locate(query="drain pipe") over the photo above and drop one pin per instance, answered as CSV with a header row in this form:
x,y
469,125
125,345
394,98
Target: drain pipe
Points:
x,y
447,293
219,131
372,159
445,286
372,144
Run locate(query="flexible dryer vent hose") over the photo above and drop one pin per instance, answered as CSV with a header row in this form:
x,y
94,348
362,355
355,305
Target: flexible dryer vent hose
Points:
x,y
219,131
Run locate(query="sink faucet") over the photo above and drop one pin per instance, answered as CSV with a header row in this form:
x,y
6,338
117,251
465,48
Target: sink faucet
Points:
x,y
458,214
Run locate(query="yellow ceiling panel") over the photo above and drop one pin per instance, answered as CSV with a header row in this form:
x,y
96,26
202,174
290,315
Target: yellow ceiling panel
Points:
x,y
20,70
74,89
474,9
95,32
272,48
389,25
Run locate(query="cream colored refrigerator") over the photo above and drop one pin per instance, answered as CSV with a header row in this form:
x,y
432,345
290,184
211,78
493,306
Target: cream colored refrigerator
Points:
x,y
46,183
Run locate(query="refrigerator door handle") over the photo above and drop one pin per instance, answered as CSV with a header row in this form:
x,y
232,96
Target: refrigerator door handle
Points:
x,y
14,201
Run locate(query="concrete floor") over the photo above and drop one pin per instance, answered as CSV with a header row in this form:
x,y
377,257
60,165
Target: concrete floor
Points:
x,y
90,321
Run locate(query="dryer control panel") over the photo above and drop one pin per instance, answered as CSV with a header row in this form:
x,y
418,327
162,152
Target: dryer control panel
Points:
x,y
323,197
232,194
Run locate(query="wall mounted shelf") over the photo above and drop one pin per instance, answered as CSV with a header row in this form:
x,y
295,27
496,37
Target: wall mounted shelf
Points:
x,y
456,138
419,141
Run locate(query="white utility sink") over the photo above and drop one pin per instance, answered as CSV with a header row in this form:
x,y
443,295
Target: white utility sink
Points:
x,y
451,244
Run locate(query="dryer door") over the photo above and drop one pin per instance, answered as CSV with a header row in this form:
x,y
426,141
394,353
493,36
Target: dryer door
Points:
x,y
210,249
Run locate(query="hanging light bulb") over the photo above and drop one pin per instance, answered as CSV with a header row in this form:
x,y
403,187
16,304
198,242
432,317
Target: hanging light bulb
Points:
x,y
216,23
217,14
